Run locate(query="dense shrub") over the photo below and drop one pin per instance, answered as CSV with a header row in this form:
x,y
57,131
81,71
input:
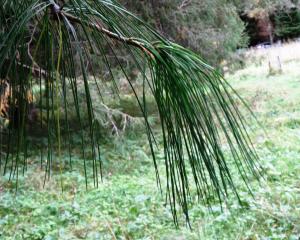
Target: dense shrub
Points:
x,y
287,23
212,28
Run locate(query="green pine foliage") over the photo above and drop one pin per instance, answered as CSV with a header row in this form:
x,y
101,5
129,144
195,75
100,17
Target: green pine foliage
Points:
x,y
287,24
48,45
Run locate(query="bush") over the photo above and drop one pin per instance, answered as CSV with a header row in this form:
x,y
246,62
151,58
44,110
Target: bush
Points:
x,y
212,28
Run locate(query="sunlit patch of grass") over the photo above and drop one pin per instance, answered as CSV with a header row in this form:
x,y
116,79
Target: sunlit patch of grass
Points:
x,y
287,52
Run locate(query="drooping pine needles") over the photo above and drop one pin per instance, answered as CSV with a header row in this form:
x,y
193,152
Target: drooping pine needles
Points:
x,y
43,43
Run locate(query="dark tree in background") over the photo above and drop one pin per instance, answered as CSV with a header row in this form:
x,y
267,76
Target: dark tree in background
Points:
x,y
212,28
270,20
217,28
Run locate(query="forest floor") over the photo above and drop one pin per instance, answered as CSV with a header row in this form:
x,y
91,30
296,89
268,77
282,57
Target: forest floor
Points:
x,y
128,204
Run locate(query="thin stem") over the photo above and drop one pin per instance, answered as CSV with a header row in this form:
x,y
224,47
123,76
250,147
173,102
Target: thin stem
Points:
x,y
130,41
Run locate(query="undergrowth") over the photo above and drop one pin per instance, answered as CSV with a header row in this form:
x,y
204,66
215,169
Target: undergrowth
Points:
x,y
129,205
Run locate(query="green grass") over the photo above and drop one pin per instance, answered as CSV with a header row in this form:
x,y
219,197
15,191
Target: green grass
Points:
x,y
128,204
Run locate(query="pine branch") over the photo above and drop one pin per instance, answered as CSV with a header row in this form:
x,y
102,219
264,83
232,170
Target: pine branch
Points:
x,y
129,41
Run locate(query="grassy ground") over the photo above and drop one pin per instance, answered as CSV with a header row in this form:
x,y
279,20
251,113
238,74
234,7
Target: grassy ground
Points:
x,y
127,205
